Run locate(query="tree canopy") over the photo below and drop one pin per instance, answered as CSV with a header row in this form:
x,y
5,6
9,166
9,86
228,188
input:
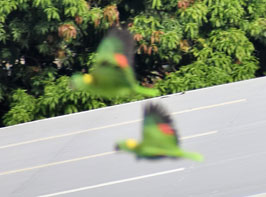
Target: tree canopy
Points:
x,y
180,45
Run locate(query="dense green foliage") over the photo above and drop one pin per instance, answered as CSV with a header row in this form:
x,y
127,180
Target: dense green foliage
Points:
x,y
181,45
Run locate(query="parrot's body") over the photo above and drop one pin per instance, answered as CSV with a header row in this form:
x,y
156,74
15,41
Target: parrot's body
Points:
x,y
159,137
113,75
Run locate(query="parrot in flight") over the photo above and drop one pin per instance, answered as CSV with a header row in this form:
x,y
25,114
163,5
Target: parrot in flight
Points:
x,y
113,74
159,137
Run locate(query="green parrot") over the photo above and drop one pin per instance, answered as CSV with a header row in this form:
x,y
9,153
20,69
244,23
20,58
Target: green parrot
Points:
x,y
159,138
113,75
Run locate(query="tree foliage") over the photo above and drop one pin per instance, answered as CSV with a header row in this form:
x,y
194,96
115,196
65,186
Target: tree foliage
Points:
x,y
181,45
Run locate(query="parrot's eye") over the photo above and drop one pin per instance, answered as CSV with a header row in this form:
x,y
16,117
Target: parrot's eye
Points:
x,y
105,63
131,143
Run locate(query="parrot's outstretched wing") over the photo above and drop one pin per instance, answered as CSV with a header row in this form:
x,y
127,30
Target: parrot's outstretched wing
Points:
x,y
120,46
116,49
158,128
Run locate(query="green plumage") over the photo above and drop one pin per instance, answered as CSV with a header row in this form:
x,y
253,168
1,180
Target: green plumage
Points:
x,y
159,137
113,75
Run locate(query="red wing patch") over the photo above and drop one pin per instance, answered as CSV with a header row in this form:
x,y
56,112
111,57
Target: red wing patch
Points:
x,y
166,129
121,60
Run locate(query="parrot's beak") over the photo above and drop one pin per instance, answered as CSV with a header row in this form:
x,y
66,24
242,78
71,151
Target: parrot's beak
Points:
x,y
117,147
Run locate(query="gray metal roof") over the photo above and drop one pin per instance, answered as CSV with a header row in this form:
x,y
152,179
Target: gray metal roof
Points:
x,y
73,155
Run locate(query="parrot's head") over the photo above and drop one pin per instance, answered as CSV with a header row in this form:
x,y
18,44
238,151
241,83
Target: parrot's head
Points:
x,y
128,145
80,81
87,78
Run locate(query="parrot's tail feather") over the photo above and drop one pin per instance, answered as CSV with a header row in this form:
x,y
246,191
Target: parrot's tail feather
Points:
x,y
150,92
193,156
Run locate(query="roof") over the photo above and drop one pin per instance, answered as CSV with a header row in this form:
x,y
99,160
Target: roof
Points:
x,y
73,155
